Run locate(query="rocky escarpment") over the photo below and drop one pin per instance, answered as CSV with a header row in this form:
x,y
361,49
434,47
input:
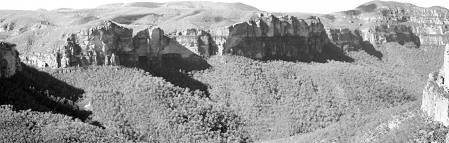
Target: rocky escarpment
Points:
x,y
435,100
347,39
265,37
289,38
201,42
381,34
105,44
97,45
270,37
9,60
367,39
109,44
380,22
428,26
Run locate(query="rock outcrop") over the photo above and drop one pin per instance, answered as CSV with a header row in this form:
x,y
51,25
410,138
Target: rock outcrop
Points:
x,y
265,37
201,42
288,38
358,39
345,38
435,100
153,45
109,43
269,37
105,44
381,34
9,60
381,22
431,25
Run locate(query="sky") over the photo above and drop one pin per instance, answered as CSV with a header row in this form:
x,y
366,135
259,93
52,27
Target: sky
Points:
x,y
307,6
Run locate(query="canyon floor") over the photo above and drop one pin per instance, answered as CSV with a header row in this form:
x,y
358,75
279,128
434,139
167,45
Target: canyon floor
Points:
x,y
366,86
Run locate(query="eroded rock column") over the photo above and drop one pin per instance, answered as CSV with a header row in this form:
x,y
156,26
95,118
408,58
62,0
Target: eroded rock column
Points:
x,y
435,100
9,60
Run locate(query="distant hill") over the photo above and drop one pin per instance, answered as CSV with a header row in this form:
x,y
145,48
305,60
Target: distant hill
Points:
x,y
184,5
169,16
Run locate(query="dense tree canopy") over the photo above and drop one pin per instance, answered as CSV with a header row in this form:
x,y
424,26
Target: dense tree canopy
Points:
x,y
235,100
278,99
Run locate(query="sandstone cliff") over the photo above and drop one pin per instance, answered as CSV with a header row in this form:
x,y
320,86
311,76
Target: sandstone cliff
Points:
x,y
369,26
9,60
270,37
430,25
435,100
100,45
108,43
201,42
265,37
380,22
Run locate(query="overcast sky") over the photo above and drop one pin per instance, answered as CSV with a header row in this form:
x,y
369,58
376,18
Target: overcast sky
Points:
x,y
309,6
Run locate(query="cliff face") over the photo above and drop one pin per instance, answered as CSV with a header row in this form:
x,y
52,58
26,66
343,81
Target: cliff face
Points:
x,y
384,33
106,44
270,37
288,38
201,42
430,25
102,44
382,22
264,37
435,100
9,60
109,44
149,42
346,39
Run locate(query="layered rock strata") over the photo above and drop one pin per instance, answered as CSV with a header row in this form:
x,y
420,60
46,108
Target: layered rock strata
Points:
x,y
381,22
106,44
201,42
356,39
404,23
435,100
109,44
381,34
265,37
346,39
431,25
9,60
285,38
